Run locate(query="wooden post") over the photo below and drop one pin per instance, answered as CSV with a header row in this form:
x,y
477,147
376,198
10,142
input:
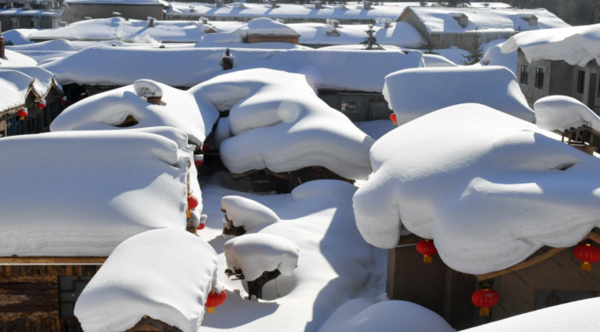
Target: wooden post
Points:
x,y
255,287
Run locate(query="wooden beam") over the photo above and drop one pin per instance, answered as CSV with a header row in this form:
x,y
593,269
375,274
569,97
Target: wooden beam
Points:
x,y
539,256
408,239
16,260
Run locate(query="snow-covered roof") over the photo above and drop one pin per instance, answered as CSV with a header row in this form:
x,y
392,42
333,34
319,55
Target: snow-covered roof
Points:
x,y
31,12
408,92
563,113
107,110
439,20
266,26
118,2
164,274
576,45
42,79
278,122
18,36
93,190
487,187
16,59
14,88
286,11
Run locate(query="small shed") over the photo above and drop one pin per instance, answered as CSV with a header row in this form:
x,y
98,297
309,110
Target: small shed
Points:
x,y
264,30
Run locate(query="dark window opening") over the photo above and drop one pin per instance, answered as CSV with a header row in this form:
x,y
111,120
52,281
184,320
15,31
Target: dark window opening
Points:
x,y
130,121
69,290
539,77
524,74
350,107
580,81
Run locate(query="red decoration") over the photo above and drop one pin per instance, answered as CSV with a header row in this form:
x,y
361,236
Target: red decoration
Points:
x,y
41,104
23,113
485,299
215,299
427,249
192,202
63,100
201,226
588,254
205,147
199,159
394,119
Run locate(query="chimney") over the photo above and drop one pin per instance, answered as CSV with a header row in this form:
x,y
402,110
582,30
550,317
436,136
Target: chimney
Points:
x,y
204,20
318,5
156,100
151,21
219,3
273,4
2,53
367,5
227,60
192,9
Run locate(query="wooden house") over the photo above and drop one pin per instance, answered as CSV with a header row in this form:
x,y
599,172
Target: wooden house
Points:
x,y
549,277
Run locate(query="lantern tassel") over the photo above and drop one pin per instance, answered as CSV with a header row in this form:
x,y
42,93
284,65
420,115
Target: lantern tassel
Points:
x,y
210,310
427,259
188,213
484,312
22,118
395,123
586,266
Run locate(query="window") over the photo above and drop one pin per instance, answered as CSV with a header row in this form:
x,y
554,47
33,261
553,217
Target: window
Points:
x,y
539,77
69,290
35,22
350,107
13,126
55,22
580,81
524,74
14,22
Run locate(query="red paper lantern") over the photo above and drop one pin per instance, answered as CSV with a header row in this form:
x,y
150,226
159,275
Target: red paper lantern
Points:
x,y
63,100
41,104
201,226
199,159
205,147
23,113
215,299
192,202
588,254
485,299
394,119
427,249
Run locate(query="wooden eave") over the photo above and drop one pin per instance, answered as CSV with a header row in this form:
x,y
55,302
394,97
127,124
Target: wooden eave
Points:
x,y
52,260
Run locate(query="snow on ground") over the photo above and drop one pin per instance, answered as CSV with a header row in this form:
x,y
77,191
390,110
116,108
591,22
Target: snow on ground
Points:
x,y
18,36
110,109
278,122
366,315
576,45
246,213
334,266
100,203
165,274
328,69
488,188
408,92
563,113
578,316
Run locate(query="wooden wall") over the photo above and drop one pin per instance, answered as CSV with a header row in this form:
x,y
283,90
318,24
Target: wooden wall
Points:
x,y
29,297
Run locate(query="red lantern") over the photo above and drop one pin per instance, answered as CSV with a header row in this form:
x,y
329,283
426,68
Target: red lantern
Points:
x,y
588,254
205,147
485,299
192,202
23,113
215,299
63,100
394,119
427,249
41,104
201,226
199,159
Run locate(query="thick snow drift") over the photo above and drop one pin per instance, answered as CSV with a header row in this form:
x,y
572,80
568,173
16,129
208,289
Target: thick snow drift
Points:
x,y
257,253
110,109
164,274
563,113
278,122
335,264
576,45
92,191
246,213
18,36
408,92
487,187
362,315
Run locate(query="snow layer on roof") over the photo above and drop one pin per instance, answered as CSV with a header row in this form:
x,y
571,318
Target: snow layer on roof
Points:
x,y
563,113
246,213
117,28
92,191
495,57
118,2
257,253
576,45
487,187
580,316
408,91
278,122
31,12
14,88
333,69
16,59
165,274
267,26
109,109
43,80
434,60
362,315
18,36
286,11
334,266
442,20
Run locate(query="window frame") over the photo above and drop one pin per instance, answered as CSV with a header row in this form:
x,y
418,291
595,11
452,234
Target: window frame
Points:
x,y
540,76
524,74
15,22
580,83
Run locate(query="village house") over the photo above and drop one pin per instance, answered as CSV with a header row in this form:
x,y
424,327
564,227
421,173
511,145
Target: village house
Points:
x,y
46,15
78,10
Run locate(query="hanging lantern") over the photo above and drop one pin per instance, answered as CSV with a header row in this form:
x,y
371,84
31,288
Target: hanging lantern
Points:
x,y
394,119
192,202
41,104
199,159
23,113
205,147
201,226
485,299
63,100
588,254
426,248
215,299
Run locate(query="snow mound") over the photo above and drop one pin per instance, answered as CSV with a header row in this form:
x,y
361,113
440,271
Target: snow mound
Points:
x,y
362,315
18,36
16,59
14,87
267,26
257,253
563,113
43,80
113,185
111,109
434,60
495,57
164,274
576,45
246,213
408,91
147,88
278,122
487,187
